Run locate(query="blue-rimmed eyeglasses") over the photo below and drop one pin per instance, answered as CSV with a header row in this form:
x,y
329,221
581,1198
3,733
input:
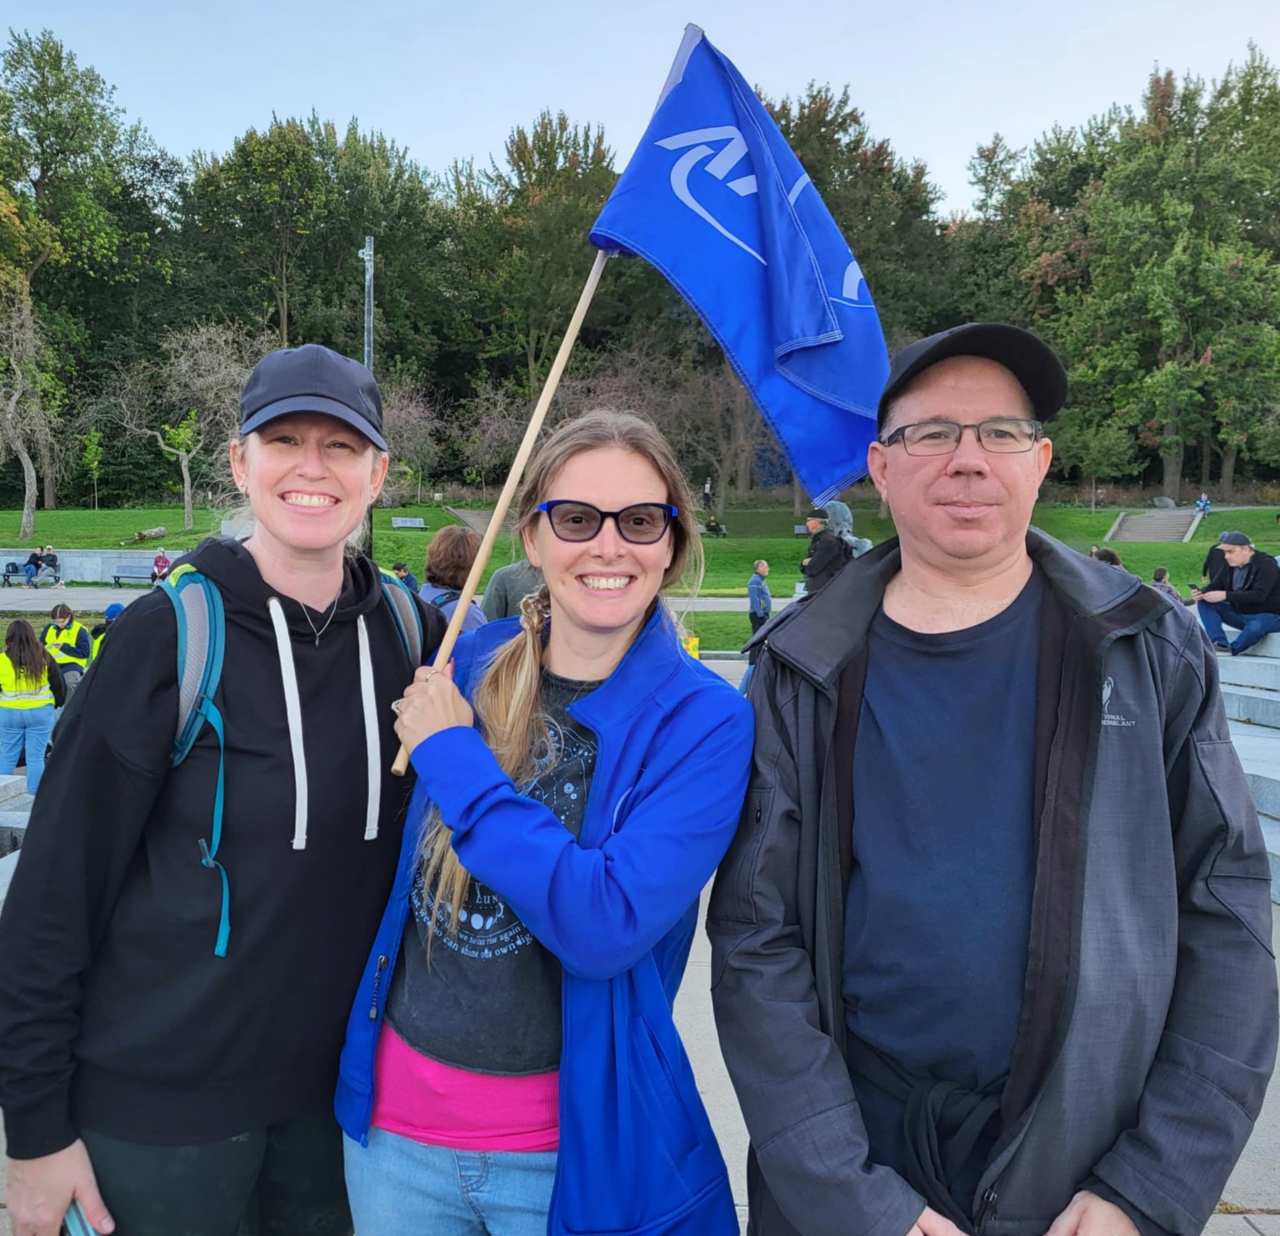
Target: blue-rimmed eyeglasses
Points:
x,y
641,524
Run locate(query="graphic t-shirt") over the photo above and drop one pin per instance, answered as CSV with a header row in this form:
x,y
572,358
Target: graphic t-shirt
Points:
x,y
488,1000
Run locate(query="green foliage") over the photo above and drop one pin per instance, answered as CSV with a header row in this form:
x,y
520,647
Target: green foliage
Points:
x,y
1143,244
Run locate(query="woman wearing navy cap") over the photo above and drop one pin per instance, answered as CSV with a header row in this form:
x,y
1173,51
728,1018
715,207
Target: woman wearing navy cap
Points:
x,y
174,990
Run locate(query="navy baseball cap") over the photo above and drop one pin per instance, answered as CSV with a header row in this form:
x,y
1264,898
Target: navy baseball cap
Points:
x,y
1032,361
312,379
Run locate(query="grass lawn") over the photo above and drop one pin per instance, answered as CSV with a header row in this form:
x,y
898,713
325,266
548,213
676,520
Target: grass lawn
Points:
x,y
754,533
719,632
77,529
87,618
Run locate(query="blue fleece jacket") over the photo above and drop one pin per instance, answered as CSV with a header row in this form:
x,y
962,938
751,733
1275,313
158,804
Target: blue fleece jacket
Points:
x,y
618,907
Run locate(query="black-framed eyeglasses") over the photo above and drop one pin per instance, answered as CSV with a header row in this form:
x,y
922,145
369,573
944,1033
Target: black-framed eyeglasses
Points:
x,y
1001,435
642,524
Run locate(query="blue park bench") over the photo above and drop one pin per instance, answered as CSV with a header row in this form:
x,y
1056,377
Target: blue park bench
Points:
x,y
130,570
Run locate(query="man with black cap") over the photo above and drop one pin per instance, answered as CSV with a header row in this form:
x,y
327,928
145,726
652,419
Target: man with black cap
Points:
x,y
827,552
1244,594
990,948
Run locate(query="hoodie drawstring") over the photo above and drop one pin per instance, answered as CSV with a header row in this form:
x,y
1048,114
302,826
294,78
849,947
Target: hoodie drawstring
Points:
x,y
293,712
372,743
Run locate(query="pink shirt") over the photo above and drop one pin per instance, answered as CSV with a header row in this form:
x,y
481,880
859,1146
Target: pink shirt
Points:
x,y
426,1101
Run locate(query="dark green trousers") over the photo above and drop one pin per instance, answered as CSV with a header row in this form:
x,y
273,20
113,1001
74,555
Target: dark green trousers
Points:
x,y
285,1180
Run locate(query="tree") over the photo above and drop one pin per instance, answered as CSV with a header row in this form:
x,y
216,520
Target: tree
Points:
x,y
23,424
1100,449
411,426
187,402
91,457
525,235
261,207
1172,280
61,132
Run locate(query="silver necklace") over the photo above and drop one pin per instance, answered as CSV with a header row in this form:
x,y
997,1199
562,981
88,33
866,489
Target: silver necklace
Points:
x,y
332,610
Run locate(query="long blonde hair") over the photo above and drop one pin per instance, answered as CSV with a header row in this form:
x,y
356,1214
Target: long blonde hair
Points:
x,y
508,697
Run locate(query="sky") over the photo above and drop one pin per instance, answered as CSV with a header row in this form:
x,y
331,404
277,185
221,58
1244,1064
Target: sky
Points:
x,y
935,78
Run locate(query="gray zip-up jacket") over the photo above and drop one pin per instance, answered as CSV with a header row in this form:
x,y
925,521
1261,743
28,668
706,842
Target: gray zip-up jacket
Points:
x,y
1148,1030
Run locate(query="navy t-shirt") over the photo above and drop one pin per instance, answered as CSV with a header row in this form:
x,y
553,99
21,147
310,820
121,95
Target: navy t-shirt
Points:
x,y
938,912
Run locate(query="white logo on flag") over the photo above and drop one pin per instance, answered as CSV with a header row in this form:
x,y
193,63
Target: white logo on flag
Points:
x,y
720,163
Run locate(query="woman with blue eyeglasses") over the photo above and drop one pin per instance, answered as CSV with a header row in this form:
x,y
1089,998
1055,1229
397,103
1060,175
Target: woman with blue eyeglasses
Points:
x,y
512,1067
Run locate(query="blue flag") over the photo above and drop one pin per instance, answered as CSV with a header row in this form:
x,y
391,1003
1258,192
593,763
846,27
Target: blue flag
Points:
x,y
718,202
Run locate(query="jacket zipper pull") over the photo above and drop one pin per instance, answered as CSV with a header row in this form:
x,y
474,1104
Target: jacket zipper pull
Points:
x,y
377,982
988,1207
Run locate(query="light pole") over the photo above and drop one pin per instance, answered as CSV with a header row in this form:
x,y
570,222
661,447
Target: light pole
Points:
x,y
367,254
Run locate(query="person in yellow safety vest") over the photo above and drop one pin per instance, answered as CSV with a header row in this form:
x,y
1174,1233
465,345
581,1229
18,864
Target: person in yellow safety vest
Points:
x,y
68,642
31,687
99,633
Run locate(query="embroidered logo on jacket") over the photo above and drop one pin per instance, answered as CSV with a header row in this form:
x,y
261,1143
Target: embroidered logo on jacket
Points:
x,y
1114,719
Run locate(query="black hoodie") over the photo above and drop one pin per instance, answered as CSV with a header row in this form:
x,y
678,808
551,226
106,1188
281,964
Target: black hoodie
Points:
x,y
115,1015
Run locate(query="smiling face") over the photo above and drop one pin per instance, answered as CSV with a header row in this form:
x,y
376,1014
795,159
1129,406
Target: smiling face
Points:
x,y
971,505
601,587
309,479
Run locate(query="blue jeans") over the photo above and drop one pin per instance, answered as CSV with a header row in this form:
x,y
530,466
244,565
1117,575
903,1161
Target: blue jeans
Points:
x,y
397,1185
29,726
29,570
1252,627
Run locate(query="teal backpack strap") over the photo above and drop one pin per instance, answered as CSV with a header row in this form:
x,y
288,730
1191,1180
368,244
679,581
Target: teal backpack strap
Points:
x,y
404,609
197,607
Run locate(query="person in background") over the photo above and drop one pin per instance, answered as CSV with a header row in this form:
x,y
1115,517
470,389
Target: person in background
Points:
x,y
99,633
827,552
1215,560
402,572
1203,504
1245,594
69,643
1110,557
1160,582
759,602
48,568
1093,551
31,689
449,560
31,567
508,586
159,565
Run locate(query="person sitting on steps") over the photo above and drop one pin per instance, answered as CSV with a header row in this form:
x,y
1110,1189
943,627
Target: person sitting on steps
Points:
x,y
1245,594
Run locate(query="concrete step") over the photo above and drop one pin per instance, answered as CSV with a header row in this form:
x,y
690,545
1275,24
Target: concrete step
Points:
x,y
1246,671
1253,704
1154,526
1258,747
12,787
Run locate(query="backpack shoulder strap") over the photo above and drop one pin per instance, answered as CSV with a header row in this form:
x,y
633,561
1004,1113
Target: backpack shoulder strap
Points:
x,y
404,609
441,599
197,607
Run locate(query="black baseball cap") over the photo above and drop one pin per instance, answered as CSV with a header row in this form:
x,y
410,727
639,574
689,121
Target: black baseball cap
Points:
x,y
818,512
312,379
1234,538
1030,360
